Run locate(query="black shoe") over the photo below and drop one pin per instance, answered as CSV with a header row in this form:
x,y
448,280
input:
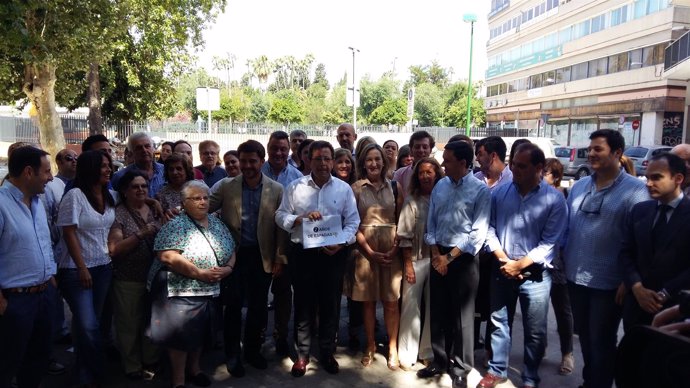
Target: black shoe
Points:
x,y
429,371
256,360
64,340
235,368
200,380
459,382
330,365
282,347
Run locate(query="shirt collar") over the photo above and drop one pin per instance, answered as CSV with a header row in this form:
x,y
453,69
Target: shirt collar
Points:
x,y
674,202
367,182
462,180
619,178
312,183
17,194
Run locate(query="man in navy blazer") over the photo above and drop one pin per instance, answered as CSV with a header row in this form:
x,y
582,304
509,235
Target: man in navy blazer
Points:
x,y
656,249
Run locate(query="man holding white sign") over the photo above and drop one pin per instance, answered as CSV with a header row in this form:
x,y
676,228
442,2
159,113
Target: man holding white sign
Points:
x,y
320,214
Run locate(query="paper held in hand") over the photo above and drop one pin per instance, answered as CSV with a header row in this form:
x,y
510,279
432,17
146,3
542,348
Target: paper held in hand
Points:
x,y
326,231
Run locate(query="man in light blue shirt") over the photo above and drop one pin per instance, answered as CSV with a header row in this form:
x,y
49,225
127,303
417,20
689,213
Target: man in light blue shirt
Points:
x,y
141,146
278,167
528,218
459,213
27,286
598,207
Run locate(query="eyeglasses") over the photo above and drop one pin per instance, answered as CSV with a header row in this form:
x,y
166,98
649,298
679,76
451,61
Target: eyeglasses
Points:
x,y
68,158
209,153
592,203
139,187
198,199
322,159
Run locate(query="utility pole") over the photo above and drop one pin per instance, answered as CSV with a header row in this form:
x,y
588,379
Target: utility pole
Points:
x,y
354,89
469,18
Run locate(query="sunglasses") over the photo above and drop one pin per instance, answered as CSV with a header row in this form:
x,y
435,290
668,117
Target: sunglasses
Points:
x,y
69,158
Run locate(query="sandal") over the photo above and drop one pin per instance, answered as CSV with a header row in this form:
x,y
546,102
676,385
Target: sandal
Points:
x,y
368,358
393,362
567,365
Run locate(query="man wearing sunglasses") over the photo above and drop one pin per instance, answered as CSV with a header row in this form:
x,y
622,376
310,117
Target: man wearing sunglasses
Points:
x,y
598,207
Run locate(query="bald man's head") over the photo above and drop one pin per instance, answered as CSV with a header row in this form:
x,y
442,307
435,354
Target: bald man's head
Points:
x,y
346,136
683,150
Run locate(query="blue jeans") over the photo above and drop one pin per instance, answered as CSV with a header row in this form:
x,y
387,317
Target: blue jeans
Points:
x,y
25,338
533,294
87,305
597,318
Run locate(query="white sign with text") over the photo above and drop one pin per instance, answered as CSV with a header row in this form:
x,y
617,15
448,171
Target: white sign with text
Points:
x,y
326,231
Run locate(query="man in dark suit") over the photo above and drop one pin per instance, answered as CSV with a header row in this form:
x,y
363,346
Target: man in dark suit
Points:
x,y
656,246
248,204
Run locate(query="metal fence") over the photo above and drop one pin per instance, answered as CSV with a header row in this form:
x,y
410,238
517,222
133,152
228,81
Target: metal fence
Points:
x,y
76,129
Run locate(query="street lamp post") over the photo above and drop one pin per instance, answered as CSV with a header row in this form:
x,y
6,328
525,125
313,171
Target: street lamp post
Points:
x,y
354,89
469,18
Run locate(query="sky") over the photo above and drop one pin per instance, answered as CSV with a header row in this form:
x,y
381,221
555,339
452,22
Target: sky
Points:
x,y
387,33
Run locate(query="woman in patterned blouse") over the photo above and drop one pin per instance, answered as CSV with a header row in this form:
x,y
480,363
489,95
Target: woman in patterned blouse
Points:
x,y
177,171
195,252
130,243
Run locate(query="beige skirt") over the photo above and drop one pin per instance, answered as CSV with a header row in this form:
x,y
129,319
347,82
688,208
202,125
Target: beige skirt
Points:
x,y
371,281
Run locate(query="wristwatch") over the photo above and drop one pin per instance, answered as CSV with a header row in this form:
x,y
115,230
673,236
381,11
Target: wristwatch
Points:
x,y
450,257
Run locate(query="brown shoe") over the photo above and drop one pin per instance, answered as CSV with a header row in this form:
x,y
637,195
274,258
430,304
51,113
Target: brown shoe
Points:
x,y
300,367
490,381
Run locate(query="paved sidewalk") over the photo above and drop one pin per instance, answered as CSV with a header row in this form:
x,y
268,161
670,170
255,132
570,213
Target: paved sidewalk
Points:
x,y
352,374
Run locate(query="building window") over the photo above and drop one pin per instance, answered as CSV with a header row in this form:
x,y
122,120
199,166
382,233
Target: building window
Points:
x,y
635,59
581,29
564,35
563,75
618,62
549,78
598,23
535,81
579,71
640,8
597,67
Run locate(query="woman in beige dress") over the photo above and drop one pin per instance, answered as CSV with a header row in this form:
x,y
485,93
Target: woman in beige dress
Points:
x,y
378,267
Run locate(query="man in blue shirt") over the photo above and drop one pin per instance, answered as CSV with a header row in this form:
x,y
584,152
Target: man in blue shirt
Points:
x,y
27,286
141,147
598,207
208,152
459,212
278,169
528,218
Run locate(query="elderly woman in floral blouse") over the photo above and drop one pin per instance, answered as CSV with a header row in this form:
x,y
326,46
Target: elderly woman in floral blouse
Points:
x,y
195,253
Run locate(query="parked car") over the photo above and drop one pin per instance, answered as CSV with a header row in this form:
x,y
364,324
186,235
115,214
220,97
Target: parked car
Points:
x,y
574,161
640,156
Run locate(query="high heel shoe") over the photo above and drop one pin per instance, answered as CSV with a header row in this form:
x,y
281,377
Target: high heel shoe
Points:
x,y
368,357
393,362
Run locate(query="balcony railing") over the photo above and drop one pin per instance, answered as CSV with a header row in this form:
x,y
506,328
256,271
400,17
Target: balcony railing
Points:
x,y
677,51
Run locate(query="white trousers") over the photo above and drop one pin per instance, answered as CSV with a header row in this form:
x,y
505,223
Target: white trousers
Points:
x,y
410,345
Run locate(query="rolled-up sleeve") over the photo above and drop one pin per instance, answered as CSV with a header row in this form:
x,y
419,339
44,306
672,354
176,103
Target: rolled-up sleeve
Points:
x,y
554,228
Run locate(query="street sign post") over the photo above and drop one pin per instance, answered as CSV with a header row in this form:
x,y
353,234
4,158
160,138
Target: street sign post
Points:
x,y
208,99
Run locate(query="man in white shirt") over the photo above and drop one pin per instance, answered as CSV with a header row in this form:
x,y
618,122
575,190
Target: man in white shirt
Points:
x,y
317,273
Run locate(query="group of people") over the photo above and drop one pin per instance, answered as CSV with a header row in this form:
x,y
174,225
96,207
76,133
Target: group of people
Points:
x,y
163,250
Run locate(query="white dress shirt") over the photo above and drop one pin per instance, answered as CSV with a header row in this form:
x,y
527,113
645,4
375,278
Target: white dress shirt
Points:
x,y
303,195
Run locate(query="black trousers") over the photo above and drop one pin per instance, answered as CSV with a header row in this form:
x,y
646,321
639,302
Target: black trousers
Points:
x,y
282,304
247,281
452,314
317,280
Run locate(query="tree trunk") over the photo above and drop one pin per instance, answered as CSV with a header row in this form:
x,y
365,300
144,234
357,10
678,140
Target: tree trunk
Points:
x,y
39,87
94,100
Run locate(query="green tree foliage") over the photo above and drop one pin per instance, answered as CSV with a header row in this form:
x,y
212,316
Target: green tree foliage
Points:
x,y
320,76
287,107
337,110
390,112
261,105
456,114
374,93
429,105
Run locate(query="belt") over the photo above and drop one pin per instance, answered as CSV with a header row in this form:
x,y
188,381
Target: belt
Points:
x,y
27,290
